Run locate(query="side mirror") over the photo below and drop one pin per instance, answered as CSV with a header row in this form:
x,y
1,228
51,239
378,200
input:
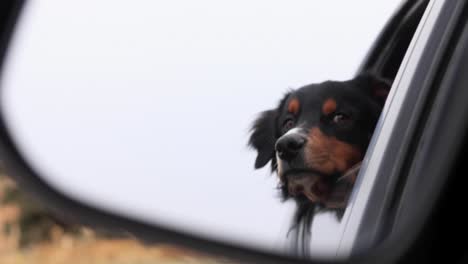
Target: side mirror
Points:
x,y
142,120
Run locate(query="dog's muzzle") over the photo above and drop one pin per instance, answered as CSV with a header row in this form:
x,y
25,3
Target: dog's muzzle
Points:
x,y
332,191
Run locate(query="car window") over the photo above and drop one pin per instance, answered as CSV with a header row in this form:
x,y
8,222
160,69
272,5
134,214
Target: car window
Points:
x,y
374,175
158,103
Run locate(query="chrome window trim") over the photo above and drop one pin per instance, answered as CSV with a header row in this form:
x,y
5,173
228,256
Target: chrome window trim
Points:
x,y
374,158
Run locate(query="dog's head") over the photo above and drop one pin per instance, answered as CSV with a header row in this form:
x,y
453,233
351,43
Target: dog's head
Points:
x,y
317,134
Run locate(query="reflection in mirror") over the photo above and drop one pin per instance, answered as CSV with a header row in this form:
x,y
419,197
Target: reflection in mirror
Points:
x,y
315,141
148,111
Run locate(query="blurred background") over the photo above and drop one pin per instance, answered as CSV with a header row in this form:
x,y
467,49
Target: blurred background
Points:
x,y
29,234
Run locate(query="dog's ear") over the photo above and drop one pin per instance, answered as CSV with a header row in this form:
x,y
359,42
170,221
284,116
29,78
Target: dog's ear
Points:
x,y
378,88
263,137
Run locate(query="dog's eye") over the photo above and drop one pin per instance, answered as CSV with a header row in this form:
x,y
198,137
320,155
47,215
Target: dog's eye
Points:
x,y
339,118
288,124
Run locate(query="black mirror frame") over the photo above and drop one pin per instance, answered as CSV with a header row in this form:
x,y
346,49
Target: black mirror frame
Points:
x,y
67,208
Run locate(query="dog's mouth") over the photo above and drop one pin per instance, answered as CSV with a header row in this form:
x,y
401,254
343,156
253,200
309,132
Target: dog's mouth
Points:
x,y
329,191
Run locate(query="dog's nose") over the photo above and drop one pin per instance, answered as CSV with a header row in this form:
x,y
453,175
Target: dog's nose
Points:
x,y
288,146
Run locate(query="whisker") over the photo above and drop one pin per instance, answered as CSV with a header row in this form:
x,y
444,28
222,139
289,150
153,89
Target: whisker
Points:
x,y
353,170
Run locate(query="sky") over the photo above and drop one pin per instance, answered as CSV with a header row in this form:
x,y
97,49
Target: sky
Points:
x,y
143,108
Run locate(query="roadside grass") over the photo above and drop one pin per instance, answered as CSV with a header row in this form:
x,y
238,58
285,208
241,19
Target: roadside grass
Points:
x,y
28,234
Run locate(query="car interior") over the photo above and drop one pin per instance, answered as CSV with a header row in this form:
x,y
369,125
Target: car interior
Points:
x,y
390,47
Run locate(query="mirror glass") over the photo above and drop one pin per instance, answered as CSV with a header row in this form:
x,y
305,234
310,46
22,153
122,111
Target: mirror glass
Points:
x,y
146,108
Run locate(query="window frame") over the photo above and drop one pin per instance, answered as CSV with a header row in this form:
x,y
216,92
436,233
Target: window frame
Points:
x,y
381,182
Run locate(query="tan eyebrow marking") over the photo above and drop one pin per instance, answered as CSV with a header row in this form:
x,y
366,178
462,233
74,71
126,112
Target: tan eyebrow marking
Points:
x,y
329,106
293,106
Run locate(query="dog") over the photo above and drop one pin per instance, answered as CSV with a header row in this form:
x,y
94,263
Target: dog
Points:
x,y
316,139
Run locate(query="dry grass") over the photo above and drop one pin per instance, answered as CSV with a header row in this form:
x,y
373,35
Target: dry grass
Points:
x,y
29,235
100,251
